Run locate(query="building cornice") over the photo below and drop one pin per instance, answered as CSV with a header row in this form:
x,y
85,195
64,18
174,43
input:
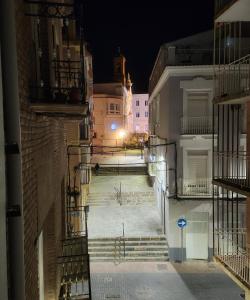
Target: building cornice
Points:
x,y
178,71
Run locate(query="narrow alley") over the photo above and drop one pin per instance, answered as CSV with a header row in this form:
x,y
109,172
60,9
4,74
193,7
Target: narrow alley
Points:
x,y
128,250
124,150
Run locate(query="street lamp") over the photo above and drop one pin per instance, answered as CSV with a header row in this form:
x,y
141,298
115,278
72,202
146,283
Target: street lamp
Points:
x,y
122,133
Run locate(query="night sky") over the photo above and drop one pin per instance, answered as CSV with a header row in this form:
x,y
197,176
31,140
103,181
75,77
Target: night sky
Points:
x,y
139,28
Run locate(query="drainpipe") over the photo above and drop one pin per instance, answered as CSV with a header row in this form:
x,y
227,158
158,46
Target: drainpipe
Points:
x,y
3,199
13,146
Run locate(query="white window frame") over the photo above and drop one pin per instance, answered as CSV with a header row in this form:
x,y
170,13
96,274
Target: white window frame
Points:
x,y
114,108
185,173
197,85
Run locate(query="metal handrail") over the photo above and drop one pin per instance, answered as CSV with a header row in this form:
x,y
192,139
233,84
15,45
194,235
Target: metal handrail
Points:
x,y
233,79
197,125
231,249
201,186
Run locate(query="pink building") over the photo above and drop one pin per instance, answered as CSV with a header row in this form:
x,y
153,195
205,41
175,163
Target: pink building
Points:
x,y
140,113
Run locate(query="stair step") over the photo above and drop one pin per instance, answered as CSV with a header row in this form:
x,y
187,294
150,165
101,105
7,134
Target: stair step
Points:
x,y
127,248
129,238
129,254
131,245
142,259
144,248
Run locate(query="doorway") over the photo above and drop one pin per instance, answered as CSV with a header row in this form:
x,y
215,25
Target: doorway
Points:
x,y
197,236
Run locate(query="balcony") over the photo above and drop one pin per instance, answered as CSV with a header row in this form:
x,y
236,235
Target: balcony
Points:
x,y
66,97
180,56
233,82
231,171
74,263
197,187
74,258
197,125
231,252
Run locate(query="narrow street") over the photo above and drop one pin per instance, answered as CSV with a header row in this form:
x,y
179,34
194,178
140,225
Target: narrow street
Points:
x,y
128,251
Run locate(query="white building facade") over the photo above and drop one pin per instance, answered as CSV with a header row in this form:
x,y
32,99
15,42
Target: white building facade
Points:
x,y
180,146
140,113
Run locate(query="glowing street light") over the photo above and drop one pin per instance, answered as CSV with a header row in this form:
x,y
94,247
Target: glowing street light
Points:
x,y
122,133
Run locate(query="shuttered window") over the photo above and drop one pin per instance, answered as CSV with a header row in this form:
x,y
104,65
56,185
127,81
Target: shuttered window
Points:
x,y
197,164
197,104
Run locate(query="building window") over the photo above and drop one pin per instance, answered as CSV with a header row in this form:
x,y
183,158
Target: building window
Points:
x,y
197,165
137,115
114,109
137,103
146,103
197,104
137,128
146,127
146,114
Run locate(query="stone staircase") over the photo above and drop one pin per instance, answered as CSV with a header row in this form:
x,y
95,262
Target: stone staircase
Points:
x,y
145,249
126,198
121,170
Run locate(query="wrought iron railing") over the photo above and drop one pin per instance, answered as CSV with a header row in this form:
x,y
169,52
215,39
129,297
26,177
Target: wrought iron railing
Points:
x,y
197,187
231,250
74,263
60,71
232,168
197,125
233,80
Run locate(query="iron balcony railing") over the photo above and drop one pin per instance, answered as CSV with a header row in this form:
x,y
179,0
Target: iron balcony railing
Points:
x,y
233,80
179,56
74,263
232,169
197,187
197,125
231,250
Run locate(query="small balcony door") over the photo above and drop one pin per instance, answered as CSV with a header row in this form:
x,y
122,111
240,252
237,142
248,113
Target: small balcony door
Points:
x,y
197,166
197,105
197,114
196,181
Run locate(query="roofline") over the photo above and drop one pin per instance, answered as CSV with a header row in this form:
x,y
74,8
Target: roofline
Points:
x,y
176,71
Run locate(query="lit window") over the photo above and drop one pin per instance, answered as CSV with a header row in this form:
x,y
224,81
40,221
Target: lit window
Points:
x,y
146,114
137,115
137,128
114,108
137,102
146,103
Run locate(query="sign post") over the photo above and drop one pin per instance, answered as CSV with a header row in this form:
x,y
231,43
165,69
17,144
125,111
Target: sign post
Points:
x,y
181,223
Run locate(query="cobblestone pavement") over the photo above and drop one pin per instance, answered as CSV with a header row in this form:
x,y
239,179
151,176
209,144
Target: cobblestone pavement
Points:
x,y
165,281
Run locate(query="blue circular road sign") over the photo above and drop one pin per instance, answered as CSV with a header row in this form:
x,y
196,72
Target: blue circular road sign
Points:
x,y
182,223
